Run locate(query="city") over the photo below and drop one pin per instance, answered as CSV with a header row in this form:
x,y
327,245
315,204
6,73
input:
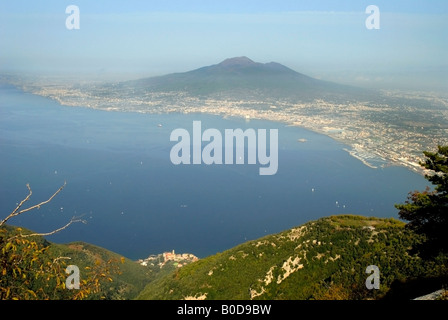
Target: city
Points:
x,y
378,133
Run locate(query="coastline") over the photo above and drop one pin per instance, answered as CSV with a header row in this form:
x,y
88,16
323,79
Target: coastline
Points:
x,y
315,189
354,154
362,153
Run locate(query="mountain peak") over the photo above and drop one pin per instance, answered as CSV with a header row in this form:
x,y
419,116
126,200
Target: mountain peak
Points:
x,y
237,61
243,77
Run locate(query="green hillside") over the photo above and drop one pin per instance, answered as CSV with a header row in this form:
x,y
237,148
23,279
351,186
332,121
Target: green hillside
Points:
x,y
323,259
123,278
126,283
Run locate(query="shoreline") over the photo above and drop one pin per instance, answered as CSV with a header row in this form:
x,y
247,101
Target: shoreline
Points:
x,y
240,113
236,116
356,156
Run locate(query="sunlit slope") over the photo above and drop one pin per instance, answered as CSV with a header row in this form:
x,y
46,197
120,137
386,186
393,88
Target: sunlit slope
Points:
x,y
123,278
323,259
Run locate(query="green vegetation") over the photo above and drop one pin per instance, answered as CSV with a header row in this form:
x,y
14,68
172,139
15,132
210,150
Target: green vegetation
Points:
x,y
33,268
126,282
323,259
427,211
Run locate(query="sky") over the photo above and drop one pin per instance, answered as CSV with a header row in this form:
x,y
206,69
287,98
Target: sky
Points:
x,y
322,38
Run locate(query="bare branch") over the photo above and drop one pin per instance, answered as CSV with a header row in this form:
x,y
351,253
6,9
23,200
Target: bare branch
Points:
x,y
16,211
61,258
73,220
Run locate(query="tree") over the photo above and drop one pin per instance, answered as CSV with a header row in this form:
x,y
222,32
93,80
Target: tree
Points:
x,y
427,211
28,271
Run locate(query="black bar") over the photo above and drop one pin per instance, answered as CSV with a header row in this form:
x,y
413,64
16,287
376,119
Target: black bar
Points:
x,y
240,309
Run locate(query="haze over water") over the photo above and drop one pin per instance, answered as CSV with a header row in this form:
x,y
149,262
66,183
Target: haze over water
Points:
x,y
136,202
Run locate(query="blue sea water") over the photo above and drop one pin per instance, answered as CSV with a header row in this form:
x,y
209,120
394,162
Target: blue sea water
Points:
x,y
136,202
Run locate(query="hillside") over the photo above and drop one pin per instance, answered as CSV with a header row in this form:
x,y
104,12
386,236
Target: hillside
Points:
x,y
127,277
323,259
126,284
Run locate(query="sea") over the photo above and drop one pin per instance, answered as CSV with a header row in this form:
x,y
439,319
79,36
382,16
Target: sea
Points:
x,y
133,200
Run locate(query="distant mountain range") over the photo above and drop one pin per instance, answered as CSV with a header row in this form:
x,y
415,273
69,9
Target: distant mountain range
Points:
x,y
242,77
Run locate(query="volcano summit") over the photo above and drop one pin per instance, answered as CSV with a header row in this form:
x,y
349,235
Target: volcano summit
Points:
x,y
242,77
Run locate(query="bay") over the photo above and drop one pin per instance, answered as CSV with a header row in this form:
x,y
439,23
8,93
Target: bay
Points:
x,y
135,202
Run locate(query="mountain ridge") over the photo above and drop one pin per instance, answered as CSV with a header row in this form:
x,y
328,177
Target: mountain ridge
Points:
x,y
324,259
321,259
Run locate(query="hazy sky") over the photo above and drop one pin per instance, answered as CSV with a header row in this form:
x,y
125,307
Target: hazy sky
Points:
x,y
324,39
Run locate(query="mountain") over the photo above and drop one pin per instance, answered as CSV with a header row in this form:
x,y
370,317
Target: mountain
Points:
x,y
322,259
241,77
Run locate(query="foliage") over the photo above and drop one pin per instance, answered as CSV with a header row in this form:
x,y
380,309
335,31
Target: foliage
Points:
x,y
127,281
30,272
427,211
33,268
323,259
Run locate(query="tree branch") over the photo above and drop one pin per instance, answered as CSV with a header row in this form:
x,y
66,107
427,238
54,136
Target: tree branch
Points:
x,y
17,210
73,220
61,258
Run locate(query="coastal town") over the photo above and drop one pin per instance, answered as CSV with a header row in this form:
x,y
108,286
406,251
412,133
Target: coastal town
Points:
x,y
177,259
